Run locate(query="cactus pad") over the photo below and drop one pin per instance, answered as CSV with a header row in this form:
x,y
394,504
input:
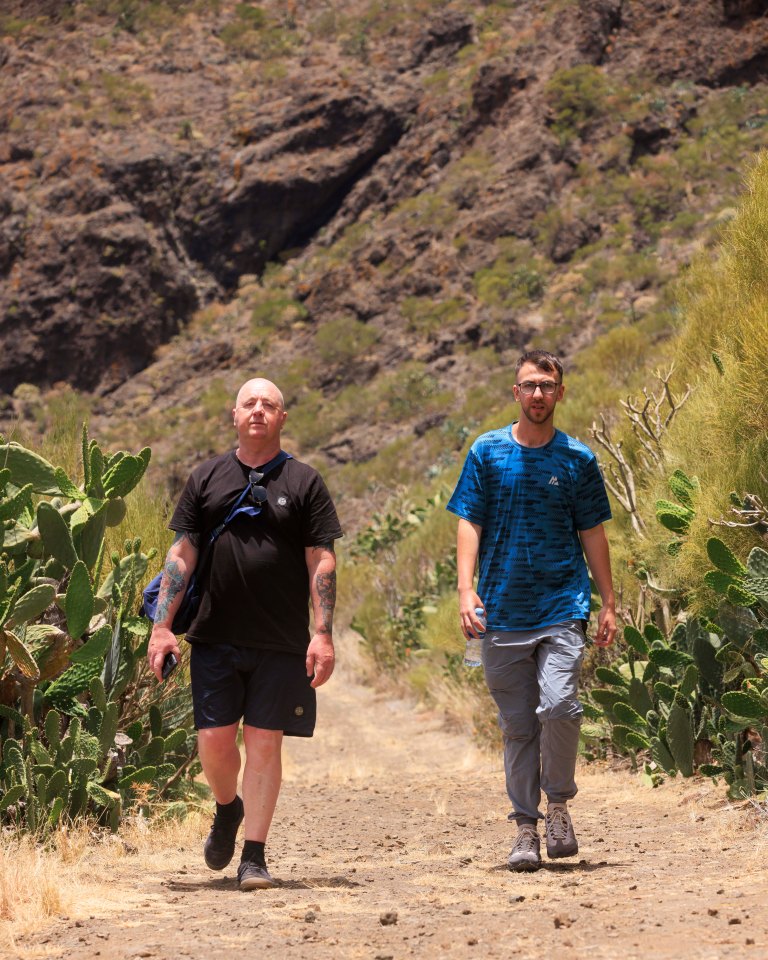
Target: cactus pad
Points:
x,y
78,604
633,638
55,534
666,657
680,739
28,467
723,558
741,704
739,623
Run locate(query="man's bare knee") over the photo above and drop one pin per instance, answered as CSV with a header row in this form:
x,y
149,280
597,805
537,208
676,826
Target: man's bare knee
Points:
x,y
259,741
217,738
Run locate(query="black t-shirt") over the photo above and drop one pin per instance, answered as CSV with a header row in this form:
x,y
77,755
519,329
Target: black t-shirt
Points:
x,y
254,581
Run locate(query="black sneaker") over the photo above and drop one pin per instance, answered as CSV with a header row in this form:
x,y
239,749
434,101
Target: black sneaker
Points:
x,y
220,846
252,876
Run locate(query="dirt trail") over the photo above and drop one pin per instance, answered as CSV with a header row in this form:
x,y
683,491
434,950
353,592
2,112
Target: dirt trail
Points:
x,y
385,814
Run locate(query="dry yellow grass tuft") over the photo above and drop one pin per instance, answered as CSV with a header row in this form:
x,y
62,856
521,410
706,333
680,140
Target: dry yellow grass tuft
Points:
x,y
69,875
36,884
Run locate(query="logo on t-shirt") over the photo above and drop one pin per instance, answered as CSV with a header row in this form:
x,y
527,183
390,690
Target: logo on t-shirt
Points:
x,y
281,501
553,481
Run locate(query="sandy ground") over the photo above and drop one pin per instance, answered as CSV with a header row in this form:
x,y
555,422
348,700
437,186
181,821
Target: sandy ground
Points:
x,y
390,841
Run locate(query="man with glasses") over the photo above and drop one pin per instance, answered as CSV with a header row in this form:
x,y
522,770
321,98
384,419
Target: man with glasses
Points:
x,y
531,505
252,654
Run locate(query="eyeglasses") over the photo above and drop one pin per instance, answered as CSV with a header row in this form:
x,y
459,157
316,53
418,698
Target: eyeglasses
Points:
x,y
258,493
528,387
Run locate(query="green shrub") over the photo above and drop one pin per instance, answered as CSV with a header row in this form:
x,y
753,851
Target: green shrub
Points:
x,y
125,97
577,96
411,391
307,423
426,209
353,237
426,316
341,340
274,310
514,279
498,286
250,16
253,34
13,26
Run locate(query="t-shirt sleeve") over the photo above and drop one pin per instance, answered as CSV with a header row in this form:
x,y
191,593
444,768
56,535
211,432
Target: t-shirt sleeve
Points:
x,y
319,521
468,499
591,500
186,517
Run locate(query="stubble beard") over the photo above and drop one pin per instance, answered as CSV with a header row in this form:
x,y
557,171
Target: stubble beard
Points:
x,y
537,415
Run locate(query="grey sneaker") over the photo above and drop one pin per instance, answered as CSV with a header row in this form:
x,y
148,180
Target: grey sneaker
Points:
x,y
220,845
525,853
561,840
252,876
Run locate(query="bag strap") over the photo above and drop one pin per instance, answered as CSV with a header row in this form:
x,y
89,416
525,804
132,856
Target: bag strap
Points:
x,y
237,507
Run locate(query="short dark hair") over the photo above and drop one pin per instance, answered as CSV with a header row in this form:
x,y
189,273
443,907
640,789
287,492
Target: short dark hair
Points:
x,y
543,359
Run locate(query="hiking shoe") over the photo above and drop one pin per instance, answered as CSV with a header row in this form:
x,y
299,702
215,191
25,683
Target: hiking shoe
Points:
x,y
220,846
561,840
253,876
525,854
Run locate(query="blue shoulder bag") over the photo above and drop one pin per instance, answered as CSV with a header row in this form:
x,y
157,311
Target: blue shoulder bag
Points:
x,y
190,604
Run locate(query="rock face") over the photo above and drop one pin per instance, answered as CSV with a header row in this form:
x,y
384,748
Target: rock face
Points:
x,y
297,164
142,174
87,296
101,267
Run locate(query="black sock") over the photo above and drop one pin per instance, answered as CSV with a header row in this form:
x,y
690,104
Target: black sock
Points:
x,y
253,852
229,811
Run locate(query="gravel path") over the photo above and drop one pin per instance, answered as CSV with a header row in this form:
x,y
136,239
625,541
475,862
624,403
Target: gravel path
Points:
x,y
391,839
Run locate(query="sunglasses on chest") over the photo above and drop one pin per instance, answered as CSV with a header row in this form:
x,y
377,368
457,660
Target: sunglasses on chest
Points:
x,y
258,492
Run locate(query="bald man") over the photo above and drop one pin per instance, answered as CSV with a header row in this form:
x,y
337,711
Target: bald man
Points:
x,y
252,657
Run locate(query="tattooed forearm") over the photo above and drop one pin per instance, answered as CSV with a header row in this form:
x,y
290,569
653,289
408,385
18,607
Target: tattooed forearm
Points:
x,y
325,584
173,583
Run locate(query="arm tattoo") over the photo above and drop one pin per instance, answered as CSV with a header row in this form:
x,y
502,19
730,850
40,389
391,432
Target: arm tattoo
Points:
x,y
191,535
324,546
173,583
326,592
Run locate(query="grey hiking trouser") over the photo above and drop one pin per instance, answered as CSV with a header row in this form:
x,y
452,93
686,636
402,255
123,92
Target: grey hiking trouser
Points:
x,y
533,676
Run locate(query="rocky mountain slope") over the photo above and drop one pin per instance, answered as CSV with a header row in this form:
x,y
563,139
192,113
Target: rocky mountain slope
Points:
x,y
377,204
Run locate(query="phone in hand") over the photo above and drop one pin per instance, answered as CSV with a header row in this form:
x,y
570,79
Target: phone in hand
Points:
x,y
169,665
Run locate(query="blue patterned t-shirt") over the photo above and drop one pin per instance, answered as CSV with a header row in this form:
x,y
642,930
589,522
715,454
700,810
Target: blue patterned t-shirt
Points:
x,y
531,502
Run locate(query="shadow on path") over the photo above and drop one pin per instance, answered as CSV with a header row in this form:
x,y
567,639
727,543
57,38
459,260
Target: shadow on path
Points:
x,y
583,866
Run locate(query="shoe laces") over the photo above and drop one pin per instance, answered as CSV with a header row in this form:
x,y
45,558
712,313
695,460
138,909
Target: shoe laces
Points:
x,y
558,822
526,840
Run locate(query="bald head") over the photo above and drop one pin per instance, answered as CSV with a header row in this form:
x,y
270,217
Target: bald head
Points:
x,y
258,415
262,388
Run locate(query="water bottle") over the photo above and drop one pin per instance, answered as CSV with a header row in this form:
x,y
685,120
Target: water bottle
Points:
x,y
473,654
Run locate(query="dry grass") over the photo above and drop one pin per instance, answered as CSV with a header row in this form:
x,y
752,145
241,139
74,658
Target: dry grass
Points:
x,y
31,886
71,874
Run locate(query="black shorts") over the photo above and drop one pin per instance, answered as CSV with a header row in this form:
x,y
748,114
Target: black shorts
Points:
x,y
265,688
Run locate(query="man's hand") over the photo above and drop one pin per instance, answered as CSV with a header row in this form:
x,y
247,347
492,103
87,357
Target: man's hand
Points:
x,y
595,545
321,658
470,625
161,642
606,627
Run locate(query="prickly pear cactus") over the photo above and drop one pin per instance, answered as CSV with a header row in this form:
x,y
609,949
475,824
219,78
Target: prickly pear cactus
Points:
x,y
71,647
